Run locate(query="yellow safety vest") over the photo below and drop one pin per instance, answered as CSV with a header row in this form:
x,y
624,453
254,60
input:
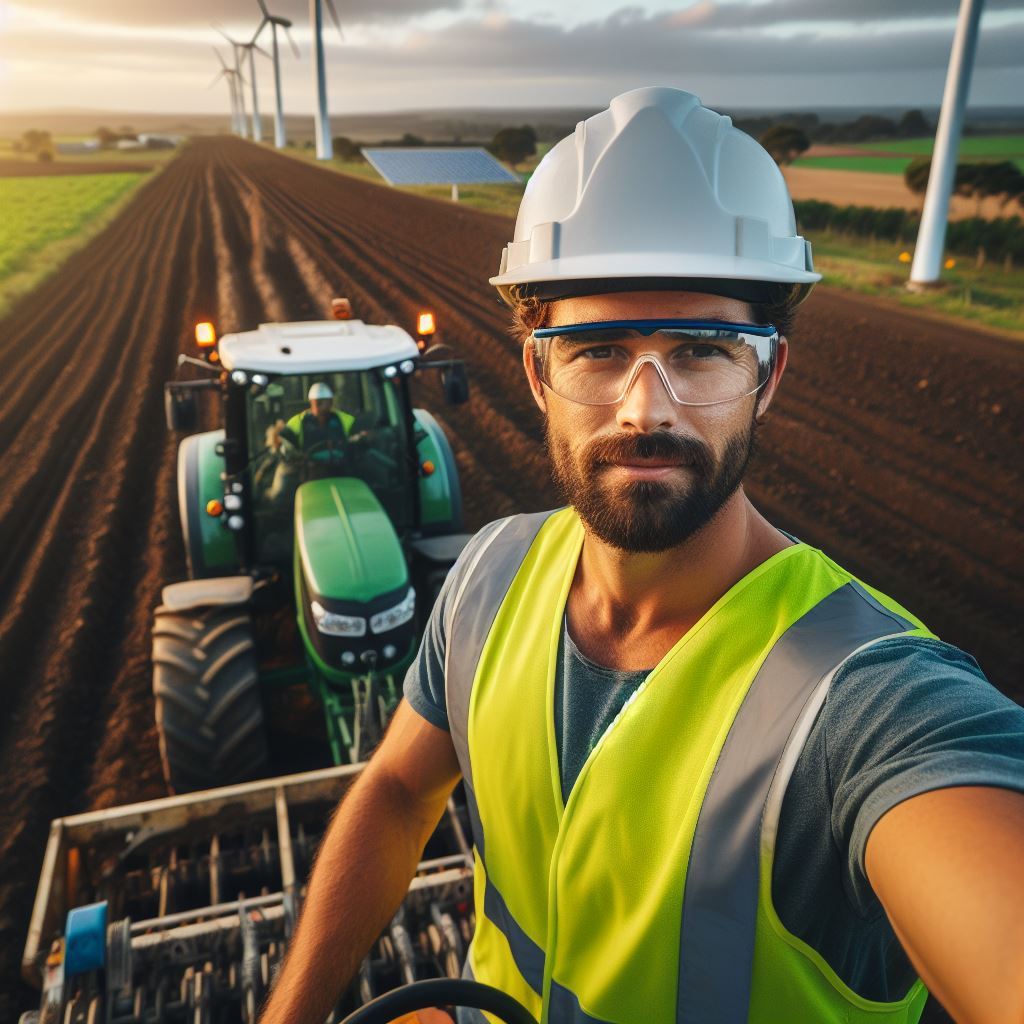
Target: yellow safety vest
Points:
x,y
647,897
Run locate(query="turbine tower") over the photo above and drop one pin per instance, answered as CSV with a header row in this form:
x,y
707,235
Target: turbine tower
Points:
x,y
257,127
237,79
324,145
273,21
232,77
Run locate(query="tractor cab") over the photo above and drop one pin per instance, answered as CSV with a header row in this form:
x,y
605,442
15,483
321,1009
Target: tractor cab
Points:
x,y
325,494
358,425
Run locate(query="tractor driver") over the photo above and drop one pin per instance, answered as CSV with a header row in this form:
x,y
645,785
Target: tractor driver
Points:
x,y
712,777
319,423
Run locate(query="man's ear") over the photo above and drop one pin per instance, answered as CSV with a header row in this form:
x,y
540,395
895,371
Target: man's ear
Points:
x,y
531,375
768,391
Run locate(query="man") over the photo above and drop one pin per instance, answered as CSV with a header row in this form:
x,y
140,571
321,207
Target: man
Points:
x,y
319,427
712,777
319,423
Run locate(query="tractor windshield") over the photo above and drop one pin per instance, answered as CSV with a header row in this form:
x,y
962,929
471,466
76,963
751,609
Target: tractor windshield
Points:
x,y
356,429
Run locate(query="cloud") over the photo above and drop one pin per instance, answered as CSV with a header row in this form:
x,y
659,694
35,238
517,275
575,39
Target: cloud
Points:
x,y
863,12
191,13
493,58
660,43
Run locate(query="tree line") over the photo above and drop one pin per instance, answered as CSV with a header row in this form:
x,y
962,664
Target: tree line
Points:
x,y
1000,239
1002,180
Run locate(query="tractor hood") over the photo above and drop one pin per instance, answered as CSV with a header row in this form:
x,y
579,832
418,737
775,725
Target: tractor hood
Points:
x,y
347,549
356,607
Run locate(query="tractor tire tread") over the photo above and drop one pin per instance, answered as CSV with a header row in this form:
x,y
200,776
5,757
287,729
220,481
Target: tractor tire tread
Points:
x,y
208,709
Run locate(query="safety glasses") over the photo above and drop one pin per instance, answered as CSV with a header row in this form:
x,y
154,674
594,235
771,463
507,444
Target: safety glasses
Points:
x,y
700,362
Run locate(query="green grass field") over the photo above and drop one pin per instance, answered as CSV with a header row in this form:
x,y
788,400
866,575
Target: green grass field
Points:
x,y
994,148
872,164
990,295
46,218
988,147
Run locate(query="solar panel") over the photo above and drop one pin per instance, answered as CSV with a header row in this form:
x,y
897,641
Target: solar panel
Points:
x,y
419,166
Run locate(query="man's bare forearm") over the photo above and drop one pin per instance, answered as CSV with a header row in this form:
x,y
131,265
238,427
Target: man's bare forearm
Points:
x,y
361,874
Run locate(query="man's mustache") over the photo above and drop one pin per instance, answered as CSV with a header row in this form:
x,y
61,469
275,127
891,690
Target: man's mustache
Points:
x,y
661,444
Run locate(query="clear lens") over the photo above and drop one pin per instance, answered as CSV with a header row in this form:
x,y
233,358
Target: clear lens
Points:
x,y
396,616
336,625
699,366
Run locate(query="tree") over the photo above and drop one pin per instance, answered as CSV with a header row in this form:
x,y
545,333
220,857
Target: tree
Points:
x,y
36,141
106,137
1002,180
347,150
785,142
915,174
514,145
913,125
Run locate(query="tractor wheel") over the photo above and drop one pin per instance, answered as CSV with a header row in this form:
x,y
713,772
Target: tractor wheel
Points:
x,y
209,715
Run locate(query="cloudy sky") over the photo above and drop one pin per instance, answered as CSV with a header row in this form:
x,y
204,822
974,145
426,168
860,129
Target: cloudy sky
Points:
x,y
156,55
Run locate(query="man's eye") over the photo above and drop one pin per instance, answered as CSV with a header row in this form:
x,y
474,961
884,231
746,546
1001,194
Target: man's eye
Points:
x,y
700,352
599,353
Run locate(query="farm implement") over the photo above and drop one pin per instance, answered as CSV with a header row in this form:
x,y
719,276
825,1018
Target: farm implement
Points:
x,y
180,909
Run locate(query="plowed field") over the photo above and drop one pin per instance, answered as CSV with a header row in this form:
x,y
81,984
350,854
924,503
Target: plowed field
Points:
x,y
895,446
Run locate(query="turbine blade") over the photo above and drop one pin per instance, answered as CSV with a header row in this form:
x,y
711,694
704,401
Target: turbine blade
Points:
x,y
217,78
262,25
295,49
220,58
263,8
259,49
334,17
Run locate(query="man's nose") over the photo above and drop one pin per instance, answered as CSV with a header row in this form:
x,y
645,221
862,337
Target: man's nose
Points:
x,y
648,405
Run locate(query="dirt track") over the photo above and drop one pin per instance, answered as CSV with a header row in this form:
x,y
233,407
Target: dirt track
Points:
x,y
895,446
866,188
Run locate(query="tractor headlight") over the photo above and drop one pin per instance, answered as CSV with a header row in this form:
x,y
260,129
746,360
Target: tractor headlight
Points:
x,y
337,625
393,617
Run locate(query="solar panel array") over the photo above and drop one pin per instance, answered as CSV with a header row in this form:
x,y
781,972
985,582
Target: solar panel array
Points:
x,y
419,166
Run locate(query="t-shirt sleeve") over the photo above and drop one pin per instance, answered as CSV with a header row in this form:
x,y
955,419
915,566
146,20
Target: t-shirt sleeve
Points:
x,y
904,717
424,682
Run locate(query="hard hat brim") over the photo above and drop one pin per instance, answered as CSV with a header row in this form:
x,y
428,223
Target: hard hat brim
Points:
x,y
649,267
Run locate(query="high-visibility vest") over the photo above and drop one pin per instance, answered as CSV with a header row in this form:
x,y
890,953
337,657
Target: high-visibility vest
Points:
x,y
647,897
297,423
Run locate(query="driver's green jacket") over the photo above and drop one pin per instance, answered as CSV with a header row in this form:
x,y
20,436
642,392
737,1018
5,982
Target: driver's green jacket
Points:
x,y
305,430
646,897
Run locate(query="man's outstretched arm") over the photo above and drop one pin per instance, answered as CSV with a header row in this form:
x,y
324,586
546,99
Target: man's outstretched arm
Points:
x,y
948,866
364,865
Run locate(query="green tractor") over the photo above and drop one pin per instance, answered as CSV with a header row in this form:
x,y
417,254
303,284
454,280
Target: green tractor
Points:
x,y
316,541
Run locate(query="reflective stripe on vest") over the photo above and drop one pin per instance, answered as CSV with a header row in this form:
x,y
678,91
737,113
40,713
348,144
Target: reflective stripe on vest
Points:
x,y
726,931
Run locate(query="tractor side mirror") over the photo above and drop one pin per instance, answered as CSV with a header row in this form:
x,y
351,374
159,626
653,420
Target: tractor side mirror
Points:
x,y
180,409
455,383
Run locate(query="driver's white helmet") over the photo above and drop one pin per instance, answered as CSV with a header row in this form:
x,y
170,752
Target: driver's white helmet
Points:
x,y
320,391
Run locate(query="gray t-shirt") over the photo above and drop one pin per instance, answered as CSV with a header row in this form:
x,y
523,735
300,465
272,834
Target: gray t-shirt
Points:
x,y
903,717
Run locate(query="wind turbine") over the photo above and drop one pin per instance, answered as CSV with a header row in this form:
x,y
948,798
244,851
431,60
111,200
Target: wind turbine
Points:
x,y
238,79
232,76
273,21
257,126
324,145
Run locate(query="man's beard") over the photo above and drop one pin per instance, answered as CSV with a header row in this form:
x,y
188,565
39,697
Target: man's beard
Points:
x,y
648,515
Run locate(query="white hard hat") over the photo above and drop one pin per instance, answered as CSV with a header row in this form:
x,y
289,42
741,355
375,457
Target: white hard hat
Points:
x,y
320,390
657,186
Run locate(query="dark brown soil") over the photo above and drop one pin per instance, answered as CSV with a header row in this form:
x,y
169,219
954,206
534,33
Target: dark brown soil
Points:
x,y
895,446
